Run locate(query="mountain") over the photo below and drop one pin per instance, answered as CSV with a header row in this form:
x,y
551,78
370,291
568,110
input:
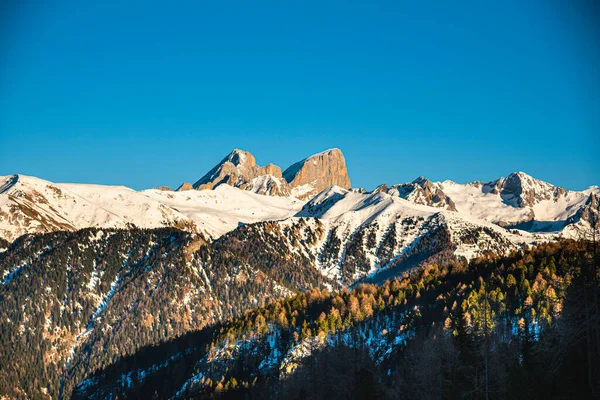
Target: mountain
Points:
x,y
360,234
317,172
517,201
33,205
421,191
303,179
354,235
365,235
239,169
72,302
239,191
502,326
97,277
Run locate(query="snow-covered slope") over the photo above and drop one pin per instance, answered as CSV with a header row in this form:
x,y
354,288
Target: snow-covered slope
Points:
x,y
350,235
33,205
518,200
221,210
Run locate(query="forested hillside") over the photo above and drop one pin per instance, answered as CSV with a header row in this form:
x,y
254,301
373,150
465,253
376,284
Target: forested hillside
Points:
x,y
72,302
521,326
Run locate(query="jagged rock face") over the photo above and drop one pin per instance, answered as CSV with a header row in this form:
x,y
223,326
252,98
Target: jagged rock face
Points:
x,y
590,212
423,191
316,173
303,179
522,190
237,168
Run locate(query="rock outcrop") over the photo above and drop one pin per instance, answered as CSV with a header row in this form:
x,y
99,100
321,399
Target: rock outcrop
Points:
x,y
303,179
383,188
590,212
238,167
422,191
267,184
521,190
185,186
316,173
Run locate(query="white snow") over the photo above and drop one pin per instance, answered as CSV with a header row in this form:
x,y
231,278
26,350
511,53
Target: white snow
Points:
x,y
29,205
350,212
223,209
300,191
267,184
472,201
76,206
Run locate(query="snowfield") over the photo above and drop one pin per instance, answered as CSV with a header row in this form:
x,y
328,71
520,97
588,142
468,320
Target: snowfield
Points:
x,y
33,205
221,210
482,204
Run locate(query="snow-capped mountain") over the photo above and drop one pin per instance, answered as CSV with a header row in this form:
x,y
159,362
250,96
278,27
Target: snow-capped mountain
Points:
x,y
499,215
349,235
518,201
33,205
242,236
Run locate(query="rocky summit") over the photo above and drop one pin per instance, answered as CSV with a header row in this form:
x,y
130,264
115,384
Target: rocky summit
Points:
x,y
316,173
239,169
303,179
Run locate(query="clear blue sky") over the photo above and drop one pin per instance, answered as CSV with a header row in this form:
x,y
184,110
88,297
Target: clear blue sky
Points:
x,y
145,95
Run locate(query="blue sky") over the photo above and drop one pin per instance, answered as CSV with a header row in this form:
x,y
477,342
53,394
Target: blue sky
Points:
x,y
143,95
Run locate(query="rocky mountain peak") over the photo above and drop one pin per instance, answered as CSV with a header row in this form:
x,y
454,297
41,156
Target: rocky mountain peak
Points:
x,y
590,211
421,180
303,179
237,169
423,191
523,190
383,188
318,171
240,157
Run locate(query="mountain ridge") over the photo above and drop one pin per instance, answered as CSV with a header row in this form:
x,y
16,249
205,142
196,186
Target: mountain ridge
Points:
x,y
113,270
303,179
30,204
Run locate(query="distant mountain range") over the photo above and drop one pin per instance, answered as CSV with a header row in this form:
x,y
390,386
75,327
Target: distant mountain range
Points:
x,y
112,270
354,225
237,190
